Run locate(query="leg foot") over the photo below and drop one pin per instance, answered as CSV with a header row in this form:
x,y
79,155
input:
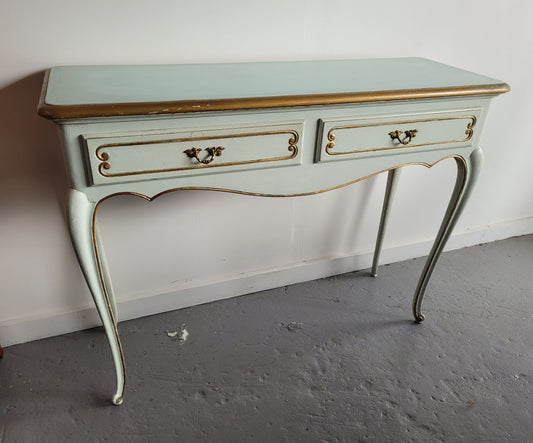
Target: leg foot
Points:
x,y
420,318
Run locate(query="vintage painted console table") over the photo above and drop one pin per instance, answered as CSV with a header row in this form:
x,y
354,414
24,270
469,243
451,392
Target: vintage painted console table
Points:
x,y
265,129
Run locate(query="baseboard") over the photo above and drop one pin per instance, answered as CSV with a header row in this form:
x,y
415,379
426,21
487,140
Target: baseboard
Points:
x,y
33,328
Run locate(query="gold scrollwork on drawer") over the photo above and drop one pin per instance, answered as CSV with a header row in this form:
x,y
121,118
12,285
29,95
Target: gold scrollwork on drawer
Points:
x,y
378,145
112,161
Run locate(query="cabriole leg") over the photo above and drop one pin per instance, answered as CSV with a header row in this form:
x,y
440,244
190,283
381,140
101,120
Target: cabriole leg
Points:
x,y
81,215
106,276
392,181
467,173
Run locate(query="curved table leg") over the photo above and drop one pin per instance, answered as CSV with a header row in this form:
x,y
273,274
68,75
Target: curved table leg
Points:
x,y
467,173
81,218
106,275
392,181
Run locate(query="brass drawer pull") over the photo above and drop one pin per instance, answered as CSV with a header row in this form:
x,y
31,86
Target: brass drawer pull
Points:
x,y
408,136
213,152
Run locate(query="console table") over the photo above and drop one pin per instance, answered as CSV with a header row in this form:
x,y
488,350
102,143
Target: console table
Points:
x,y
265,129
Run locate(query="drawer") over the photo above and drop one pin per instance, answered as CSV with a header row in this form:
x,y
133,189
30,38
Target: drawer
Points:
x,y
342,139
134,156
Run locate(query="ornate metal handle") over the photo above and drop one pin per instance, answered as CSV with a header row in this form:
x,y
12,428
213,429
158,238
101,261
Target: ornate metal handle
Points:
x,y
408,136
213,152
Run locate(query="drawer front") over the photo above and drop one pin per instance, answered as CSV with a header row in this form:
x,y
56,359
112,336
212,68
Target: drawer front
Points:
x,y
151,155
342,139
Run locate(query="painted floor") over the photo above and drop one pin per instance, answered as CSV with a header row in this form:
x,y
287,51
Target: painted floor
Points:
x,y
332,360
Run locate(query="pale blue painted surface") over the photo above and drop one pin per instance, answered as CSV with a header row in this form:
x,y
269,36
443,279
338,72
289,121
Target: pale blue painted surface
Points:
x,y
71,85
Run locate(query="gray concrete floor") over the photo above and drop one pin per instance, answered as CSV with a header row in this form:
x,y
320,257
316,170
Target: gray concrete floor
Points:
x,y
337,359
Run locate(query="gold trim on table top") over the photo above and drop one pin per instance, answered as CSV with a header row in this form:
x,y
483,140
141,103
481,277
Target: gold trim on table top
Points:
x,y
227,104
105,164
468,132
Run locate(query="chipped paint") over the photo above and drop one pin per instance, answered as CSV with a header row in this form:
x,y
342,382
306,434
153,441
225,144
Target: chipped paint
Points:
x,y
180,334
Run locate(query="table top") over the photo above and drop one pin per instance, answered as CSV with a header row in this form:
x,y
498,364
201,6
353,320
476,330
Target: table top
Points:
x,y
99,91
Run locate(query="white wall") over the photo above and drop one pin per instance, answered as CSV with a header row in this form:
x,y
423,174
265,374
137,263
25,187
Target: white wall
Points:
x,y
238,241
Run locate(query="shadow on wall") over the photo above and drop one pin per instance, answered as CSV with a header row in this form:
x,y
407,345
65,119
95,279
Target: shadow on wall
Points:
x,y
32,172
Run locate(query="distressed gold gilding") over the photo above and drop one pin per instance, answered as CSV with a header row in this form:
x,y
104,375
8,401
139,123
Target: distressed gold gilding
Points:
x,y
331,136
105,164
181,106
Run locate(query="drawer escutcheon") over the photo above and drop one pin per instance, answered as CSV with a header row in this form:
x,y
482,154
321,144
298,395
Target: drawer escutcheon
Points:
x,y
408,136
211,154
